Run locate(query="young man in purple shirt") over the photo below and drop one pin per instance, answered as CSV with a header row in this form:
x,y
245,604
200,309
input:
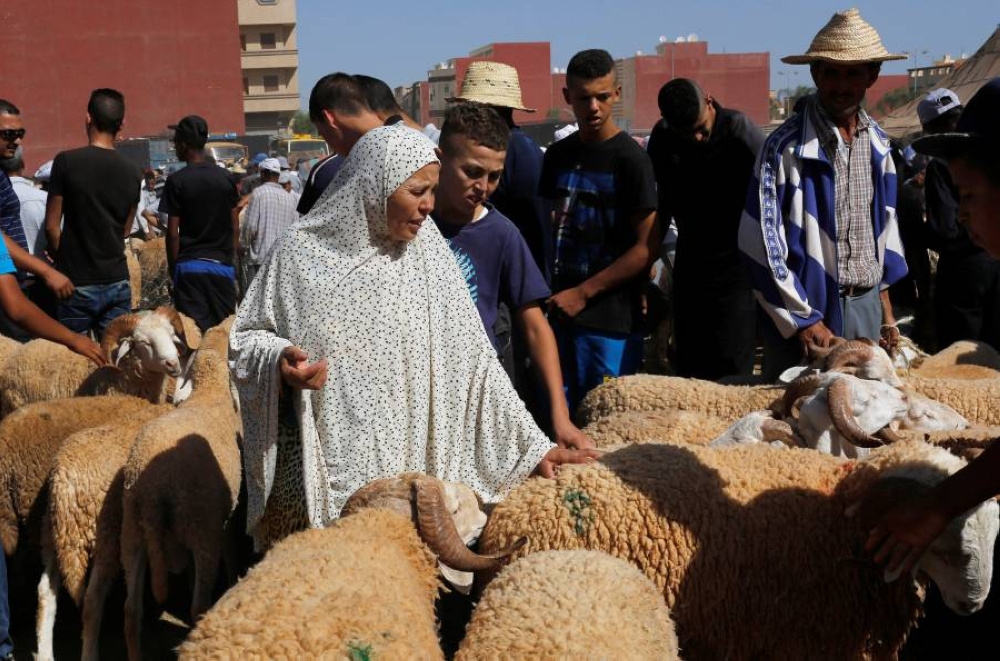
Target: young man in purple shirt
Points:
x,y
490,251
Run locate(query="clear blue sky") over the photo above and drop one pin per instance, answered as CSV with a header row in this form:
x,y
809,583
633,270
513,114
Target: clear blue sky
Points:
x,y
398,42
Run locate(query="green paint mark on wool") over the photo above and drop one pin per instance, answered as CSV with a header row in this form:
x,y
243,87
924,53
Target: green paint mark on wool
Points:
x,y
358,652
578,504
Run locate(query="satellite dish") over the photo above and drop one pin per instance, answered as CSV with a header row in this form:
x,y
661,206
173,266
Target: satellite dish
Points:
x,y
662,39
638,53
555,69
692,37
679,40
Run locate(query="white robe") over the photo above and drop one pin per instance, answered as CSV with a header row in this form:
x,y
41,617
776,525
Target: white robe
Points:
x,y
414,383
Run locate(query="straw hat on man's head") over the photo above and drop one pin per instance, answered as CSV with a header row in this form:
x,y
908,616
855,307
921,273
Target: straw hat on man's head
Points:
x,y
845,39
492,84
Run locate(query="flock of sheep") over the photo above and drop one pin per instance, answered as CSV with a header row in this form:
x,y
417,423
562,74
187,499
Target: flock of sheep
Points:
x,y
724,521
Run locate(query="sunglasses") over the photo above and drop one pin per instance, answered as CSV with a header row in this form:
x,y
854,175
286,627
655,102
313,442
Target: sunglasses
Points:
x,y
10,135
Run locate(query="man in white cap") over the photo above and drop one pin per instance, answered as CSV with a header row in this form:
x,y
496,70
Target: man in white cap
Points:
x,y
819,234
271,211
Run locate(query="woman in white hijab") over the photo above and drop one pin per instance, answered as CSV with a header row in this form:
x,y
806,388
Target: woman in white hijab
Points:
x,y
406,378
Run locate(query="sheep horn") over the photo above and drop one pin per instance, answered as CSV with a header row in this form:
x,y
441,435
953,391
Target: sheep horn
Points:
x,y
888,436
437,529
849,354
839,400
800,387
175,320
816,351
778,430
121,325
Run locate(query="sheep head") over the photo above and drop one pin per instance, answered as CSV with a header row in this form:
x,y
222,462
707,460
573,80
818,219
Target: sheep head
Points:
x,y
446,515
155,340
960,560
757,427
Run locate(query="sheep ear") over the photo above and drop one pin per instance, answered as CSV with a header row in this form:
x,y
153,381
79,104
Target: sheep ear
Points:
x,y
793,373
120,351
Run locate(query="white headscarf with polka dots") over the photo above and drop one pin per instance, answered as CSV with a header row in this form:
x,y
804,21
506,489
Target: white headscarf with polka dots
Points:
x,y
414,383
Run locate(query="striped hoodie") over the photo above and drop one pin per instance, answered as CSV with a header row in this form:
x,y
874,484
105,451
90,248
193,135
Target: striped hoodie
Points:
x,y
787,235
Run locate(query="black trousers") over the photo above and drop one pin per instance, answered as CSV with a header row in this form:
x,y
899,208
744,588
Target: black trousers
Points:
x,y
967,299
205,297
715,331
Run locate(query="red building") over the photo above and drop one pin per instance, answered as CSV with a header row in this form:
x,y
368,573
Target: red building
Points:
x,y
169,59
740,81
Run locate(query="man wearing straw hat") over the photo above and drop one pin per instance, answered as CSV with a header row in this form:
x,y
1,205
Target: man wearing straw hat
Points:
x,y
820,235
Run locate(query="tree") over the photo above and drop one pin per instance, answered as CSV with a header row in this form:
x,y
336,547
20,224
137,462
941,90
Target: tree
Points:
x,y
302,124
895,99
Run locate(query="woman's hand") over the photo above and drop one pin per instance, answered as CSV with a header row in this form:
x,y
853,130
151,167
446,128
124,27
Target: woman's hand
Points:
x,y
556,457
296,371
568,435
904,533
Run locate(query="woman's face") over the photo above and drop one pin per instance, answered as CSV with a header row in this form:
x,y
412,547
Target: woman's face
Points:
x,y
408,206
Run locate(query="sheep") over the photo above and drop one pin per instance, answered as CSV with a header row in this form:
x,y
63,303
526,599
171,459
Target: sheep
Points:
x,y
731,534
962,353
152,259
570,605
83,521
29,440
653,393
145,349
666,426
362,588
134,278
181,482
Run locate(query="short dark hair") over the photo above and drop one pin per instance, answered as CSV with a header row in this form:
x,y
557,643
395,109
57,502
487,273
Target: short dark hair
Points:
x,y
681,102
378,94
106,109
590,64
339,92
478,123
8,108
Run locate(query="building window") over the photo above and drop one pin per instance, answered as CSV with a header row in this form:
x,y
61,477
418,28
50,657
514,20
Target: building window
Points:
x,y
246,86
243,42
267,2
270,83
267,40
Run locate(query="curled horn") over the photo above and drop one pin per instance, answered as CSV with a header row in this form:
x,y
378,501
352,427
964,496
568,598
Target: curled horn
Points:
x,y
888,435
119,326
174,318
800,387
815,351
850,354
437,529
778,430
839,399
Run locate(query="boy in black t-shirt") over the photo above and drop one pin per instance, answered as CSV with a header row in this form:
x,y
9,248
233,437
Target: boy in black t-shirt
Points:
x,y
203,229
601,186
491,253
95,191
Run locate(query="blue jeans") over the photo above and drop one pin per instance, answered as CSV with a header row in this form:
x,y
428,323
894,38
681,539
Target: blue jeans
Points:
x,y
6,646
589,357
92,307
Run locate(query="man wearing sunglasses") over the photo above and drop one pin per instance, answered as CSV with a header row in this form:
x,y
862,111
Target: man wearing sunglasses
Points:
x,y
12,134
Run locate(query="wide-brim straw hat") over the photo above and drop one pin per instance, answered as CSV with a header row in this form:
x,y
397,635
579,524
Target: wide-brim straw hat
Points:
x,y
492,84
846,39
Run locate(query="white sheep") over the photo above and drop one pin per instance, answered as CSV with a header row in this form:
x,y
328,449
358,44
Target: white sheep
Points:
x,y
570,605
751,546
362,588
145,350
182,479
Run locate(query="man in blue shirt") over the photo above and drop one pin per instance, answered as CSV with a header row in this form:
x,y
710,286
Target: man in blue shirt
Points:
x,y
491,253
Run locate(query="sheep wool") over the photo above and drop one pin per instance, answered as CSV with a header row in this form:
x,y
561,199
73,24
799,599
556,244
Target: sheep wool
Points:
x,y
974,399
644,392
41,370
667,426
363,588
570,605
729,535
29,440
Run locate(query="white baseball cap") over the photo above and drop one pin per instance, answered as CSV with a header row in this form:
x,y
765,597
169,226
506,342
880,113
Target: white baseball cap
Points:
x,y
271,165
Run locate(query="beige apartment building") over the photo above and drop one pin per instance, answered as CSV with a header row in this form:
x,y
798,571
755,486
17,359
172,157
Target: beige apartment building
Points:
x,y
270,62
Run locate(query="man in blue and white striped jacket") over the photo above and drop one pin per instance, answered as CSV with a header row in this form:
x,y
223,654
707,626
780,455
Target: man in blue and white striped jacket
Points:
x,y
819,234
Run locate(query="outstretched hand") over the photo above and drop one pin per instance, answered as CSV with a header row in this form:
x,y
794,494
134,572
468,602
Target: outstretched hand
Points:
x,y
904,533
548,467
568,435
296,371
87,348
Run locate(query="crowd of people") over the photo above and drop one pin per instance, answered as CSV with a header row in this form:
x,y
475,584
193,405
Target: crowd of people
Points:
x,y
369,342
